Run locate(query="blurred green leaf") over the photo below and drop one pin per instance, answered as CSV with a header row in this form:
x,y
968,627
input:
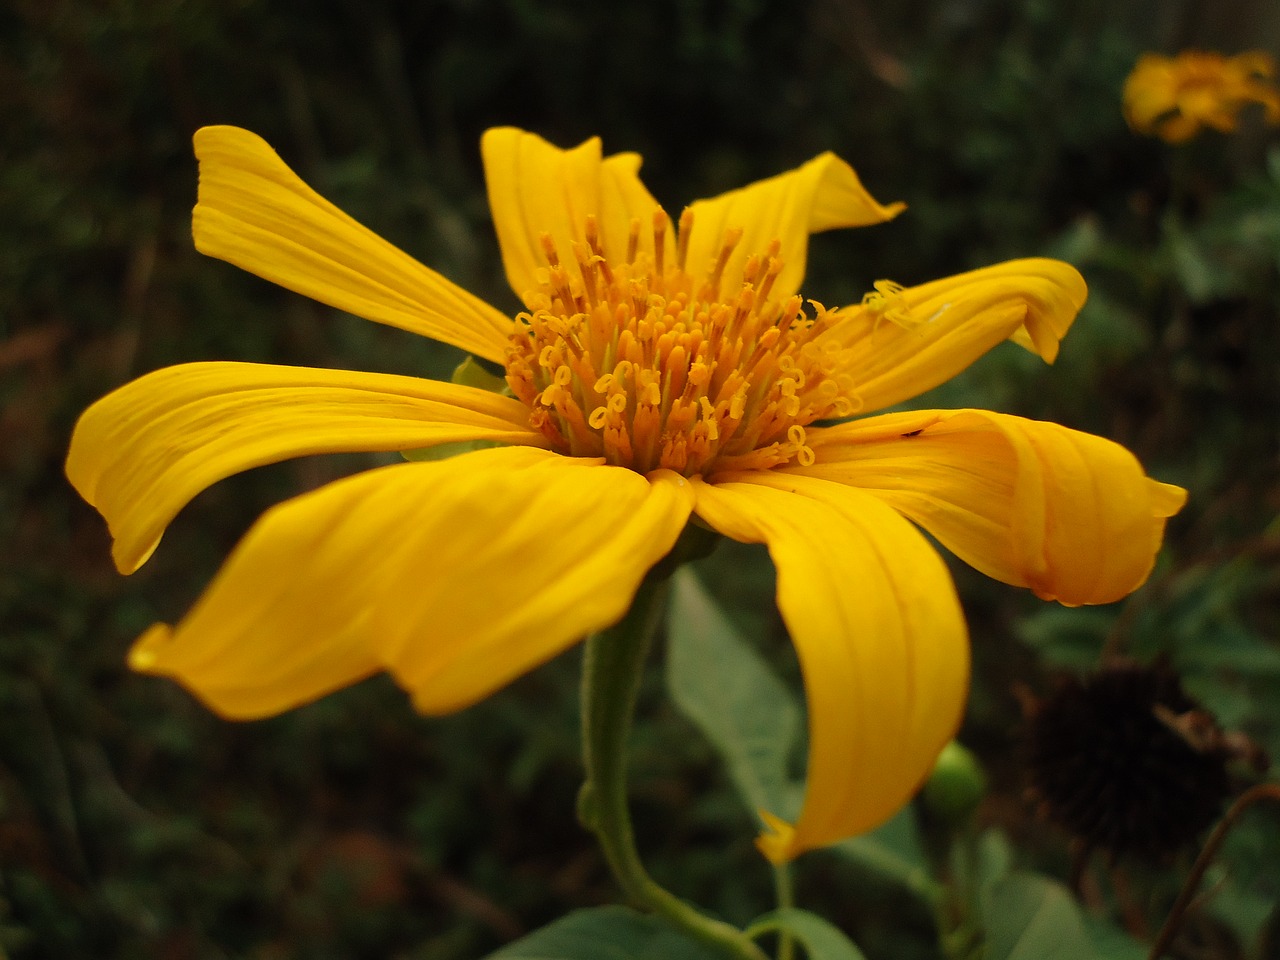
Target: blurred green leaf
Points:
x,y
725,687
821,940
1112,943
1069,637
1193,266
605,933
1028,917
1244,882
893,851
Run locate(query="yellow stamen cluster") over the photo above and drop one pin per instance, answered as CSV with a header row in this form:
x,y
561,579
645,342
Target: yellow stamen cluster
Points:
x,y
649,365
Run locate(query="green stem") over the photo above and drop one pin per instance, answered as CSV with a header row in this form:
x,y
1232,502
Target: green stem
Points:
x,y
786,895
611,673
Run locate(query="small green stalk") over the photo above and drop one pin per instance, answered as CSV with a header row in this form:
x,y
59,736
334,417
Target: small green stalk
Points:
x,y
785,890
611,673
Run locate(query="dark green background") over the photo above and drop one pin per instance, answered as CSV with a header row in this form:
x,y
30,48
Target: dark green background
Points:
x,y
133,824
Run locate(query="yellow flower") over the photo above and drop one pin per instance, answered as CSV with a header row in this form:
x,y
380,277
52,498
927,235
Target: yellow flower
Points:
x,y
659,372
1173,98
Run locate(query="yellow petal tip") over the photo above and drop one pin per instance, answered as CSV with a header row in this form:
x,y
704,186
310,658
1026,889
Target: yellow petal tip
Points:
x,y
777,841
128,558
209,136
145,653
1167,499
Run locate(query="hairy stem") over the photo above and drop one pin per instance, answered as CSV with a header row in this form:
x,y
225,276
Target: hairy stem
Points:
x,y
611,673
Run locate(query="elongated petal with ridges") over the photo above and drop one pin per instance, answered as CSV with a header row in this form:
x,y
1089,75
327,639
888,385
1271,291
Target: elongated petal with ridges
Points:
x,y
1070,515
456,576
905,341
536,188
566,563
823,194
881,639
255,212
142,452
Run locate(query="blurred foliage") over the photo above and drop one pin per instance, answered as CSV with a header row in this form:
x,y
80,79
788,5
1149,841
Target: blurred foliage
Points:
x,y
133,824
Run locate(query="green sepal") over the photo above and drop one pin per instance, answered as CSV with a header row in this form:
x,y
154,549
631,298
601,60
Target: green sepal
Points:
x,y
470,373
443,451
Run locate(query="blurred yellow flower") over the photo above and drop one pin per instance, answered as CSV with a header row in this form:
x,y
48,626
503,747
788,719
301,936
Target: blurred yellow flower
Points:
x,y
1174,97
658,371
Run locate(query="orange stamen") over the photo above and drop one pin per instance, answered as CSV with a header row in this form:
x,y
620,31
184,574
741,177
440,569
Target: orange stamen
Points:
x,y
651,365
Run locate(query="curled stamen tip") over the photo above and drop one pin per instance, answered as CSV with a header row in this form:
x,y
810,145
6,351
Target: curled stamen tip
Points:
x,y
648,363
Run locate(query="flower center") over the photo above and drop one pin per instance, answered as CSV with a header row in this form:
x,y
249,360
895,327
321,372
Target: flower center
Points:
x,y
650,364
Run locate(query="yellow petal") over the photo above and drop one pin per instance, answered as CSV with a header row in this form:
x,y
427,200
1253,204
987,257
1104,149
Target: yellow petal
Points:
x,y
823,194
881,639
536,188
572,554
456,576
918,337
1068,514
255,212
142,452
1149,92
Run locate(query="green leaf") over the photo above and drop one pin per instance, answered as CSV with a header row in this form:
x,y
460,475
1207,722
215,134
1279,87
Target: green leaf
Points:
x,y
731,694
1243,907
605,933
1112,943
820,940
1067,636
893,851
1029,917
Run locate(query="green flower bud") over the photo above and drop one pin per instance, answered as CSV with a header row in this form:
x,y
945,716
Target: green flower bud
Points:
x,y
956,786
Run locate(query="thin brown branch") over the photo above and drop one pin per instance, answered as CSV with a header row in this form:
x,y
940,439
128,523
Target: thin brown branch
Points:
x,y
1263,791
